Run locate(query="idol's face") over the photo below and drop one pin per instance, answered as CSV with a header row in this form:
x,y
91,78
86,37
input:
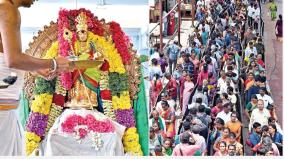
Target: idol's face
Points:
x,y
82,35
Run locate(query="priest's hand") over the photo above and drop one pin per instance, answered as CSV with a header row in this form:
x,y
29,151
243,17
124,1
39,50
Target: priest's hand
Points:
x,y
63,65
47,74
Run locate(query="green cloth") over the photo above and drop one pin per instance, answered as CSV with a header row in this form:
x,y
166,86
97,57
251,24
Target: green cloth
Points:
x,y
250,108
169,151
93,73
197,153
141,117
23,109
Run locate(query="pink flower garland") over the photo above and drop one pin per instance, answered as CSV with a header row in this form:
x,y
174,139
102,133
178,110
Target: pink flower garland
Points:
x,y
90,121
121,42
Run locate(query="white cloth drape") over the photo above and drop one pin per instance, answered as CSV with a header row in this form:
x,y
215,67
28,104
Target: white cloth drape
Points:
x,y
11,135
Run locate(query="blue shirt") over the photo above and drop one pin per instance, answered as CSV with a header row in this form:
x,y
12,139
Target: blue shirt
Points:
x,y
254,138
204,37
173,51
277,138
228,39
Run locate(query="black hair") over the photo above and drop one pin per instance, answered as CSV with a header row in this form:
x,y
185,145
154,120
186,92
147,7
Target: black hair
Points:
x,y
198,100
232,135
154,61
264,128
234,112
186,125
273,126
220,121
201,108
193,111
256,125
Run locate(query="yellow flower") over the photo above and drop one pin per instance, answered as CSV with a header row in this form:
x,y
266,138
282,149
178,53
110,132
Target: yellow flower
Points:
x,y
109,52
52,52
131,142
42,103
32,142
122,102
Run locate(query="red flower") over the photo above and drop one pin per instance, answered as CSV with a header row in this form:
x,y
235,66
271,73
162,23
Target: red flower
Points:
x,y
106,94
105,66
58,99
121,42
82,132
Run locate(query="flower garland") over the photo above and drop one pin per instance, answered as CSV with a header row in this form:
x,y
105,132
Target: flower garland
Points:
x,y
50,97
121,41
106,95
57,104
122,102
125,117
109,51
32,142
131,142
91,123
40,108
118,83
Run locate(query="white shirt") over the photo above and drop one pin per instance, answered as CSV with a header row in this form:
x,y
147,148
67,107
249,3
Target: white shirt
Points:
x,y
250,11
233,98
200,3
249,51
266,98
207,3
224,116
192,105
256,13
223,85
207,28
155,55
260,117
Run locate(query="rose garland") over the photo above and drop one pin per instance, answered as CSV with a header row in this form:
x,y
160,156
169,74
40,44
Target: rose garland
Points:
x,y
121,41
90,121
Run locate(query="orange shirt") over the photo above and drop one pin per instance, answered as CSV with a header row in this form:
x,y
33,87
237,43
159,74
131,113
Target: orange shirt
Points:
x,y
234,127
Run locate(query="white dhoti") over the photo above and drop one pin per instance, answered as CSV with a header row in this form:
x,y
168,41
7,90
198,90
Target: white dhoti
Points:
x,y
11,136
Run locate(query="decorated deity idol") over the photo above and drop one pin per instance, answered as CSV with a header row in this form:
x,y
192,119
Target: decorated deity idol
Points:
x,y
106,77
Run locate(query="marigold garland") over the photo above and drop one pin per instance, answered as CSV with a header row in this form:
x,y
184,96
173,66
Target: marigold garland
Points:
x,y
41,103
32,142
131,142
122,102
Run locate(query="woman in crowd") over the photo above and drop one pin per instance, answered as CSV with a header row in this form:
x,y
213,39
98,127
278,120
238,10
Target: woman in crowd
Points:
x,y
188,88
